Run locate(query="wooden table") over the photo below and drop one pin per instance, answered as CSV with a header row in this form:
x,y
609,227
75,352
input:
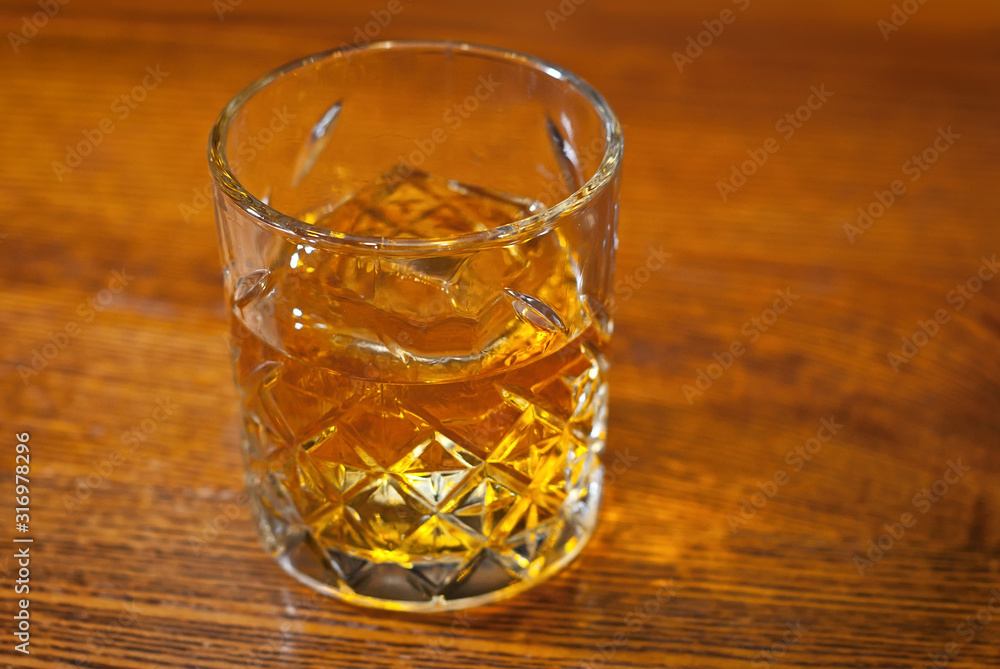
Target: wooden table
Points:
x,y
757,458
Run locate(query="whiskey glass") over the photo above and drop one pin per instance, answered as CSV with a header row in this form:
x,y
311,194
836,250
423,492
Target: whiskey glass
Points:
x,y
418,242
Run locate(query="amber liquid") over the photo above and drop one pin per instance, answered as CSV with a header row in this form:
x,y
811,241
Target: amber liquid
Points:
x,y
421,430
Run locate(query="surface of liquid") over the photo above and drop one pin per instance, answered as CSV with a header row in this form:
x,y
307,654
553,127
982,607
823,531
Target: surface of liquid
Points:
x,y
421,430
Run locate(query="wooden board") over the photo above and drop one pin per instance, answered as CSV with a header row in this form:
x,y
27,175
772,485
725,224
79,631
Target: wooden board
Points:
x,y
143,554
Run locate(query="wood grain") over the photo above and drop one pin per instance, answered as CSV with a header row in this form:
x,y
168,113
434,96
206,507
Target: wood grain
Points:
x,y
155,562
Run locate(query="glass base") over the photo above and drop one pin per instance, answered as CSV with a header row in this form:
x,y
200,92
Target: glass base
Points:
x,y
432,585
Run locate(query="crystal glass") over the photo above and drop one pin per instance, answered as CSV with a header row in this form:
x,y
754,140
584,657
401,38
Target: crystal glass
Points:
x,y
418,246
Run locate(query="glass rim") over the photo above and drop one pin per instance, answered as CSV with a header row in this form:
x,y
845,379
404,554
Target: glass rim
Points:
x,y
521,229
